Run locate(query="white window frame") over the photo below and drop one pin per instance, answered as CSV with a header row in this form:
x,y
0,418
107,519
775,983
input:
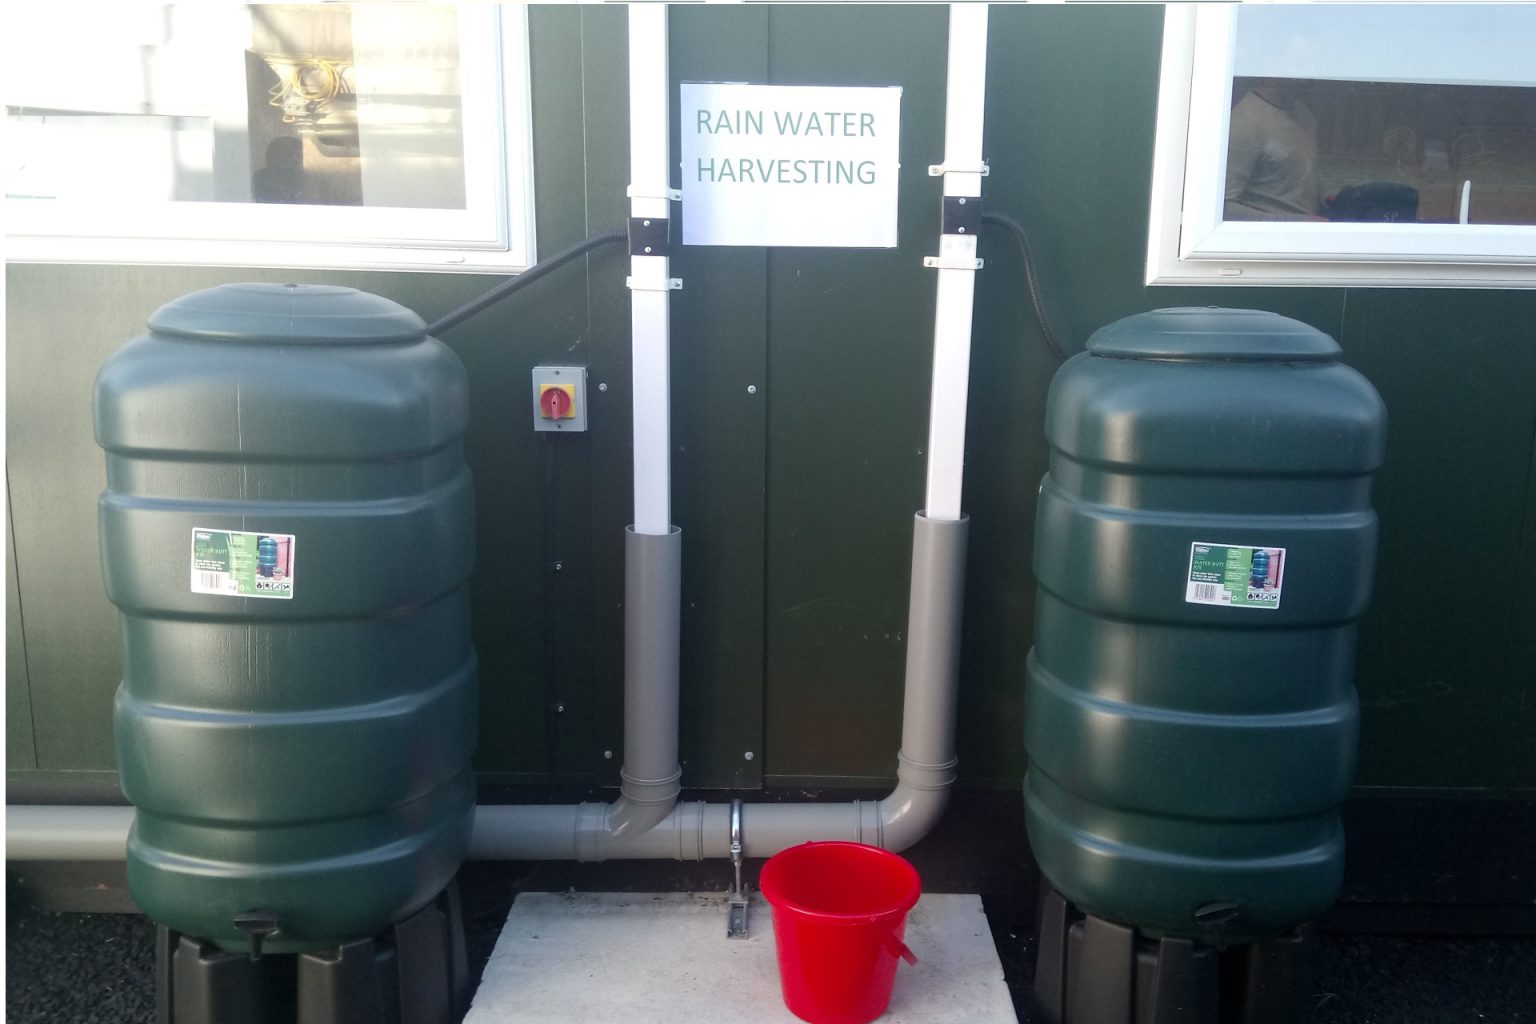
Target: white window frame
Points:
x,y
1189,243
494,233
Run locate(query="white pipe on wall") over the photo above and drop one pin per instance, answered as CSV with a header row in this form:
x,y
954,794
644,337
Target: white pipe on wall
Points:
x,y
650,280
963,116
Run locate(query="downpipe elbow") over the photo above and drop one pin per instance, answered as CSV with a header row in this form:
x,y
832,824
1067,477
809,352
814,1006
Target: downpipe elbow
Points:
x,y
643,804
917,803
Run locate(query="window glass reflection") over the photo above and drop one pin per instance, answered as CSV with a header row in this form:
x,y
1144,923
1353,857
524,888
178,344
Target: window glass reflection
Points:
x,y
321,104
1433,122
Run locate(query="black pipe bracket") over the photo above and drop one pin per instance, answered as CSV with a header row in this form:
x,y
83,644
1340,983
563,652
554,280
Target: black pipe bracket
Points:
x,y
962,215
650,236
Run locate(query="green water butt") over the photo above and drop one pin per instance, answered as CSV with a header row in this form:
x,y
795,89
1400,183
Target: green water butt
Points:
x,y
1204,549
288,534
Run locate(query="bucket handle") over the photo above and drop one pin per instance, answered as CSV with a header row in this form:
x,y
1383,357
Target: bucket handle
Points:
x,y
896,947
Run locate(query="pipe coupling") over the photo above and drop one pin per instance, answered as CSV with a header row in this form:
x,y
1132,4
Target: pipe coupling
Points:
x,y
922,775
651,791
690,830
871,823
591,832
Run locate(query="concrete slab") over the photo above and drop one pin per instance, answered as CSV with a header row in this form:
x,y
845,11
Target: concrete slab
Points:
x,y
659,958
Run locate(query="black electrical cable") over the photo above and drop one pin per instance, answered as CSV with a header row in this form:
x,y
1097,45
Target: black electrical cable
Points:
x,y
527,277
1021,238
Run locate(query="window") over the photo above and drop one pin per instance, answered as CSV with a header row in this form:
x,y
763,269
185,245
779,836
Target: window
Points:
x,y
1338,144
382,135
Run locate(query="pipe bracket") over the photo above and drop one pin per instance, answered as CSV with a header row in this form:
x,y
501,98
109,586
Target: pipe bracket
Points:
x,y
961,216
953,263
651,236
736,910
939,170
635,192
660,284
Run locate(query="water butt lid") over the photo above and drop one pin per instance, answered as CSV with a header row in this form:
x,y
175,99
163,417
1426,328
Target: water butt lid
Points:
x,y
1210,333
287,314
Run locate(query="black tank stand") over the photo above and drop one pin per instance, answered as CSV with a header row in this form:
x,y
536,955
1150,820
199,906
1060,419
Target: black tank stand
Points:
x,y
414,973
1093,971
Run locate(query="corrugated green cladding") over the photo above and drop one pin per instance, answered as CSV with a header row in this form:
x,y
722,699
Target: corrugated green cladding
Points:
x,y
1182,754
309,756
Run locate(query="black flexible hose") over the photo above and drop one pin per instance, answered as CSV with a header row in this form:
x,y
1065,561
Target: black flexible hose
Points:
x,y
1021,238
548,265
527,277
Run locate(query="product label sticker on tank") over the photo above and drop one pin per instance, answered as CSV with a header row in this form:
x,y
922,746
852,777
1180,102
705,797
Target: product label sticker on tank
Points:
x,y
233,563
1240,577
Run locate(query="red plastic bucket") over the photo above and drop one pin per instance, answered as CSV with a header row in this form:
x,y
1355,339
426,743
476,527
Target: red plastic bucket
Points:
x,y
839,915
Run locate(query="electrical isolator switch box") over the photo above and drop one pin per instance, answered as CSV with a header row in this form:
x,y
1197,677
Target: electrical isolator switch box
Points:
x,y
560,398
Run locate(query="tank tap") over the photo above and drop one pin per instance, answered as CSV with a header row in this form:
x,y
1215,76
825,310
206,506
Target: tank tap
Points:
x,y
257,924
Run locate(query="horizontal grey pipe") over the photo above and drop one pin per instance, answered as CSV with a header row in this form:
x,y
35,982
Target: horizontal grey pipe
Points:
x,y
692,830
702,831
54,832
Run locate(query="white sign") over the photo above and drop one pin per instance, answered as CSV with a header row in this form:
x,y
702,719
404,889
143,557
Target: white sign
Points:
x,y
790,165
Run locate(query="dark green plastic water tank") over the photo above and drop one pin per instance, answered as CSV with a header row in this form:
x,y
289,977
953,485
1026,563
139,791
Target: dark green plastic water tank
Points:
x,y
1204,549
288,533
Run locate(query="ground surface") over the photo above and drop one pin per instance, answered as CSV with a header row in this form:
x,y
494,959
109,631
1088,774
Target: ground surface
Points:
x,y
98,969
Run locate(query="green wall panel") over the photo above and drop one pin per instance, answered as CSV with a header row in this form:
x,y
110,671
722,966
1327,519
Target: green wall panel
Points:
x,y
1514,748
534,609
20,751
850,337
719,435
56,337
1443,689
605,142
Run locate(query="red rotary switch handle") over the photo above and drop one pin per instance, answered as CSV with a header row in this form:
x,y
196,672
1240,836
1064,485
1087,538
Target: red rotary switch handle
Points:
x,y
555,403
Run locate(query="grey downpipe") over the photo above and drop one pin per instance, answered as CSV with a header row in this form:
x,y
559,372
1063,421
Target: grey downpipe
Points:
x,y
653,597
927,762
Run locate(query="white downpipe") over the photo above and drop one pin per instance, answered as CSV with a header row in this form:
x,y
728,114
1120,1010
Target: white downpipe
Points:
x,y
698,830
650,276
963,114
